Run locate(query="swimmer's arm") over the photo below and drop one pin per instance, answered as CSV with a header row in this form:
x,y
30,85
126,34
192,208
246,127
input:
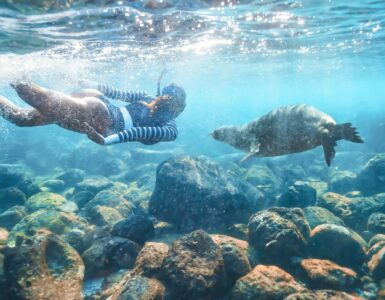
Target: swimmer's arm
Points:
x,y
145,135
114,93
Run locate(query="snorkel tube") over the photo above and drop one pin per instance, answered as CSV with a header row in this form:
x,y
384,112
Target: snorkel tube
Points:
x,y
164,71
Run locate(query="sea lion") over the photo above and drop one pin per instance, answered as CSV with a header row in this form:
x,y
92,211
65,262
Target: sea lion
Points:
x,y
288,129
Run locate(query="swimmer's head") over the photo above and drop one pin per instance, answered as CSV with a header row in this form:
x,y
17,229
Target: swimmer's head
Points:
x,y
177,101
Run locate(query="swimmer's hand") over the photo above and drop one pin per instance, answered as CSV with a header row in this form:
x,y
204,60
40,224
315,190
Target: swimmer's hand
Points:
x,y
93,135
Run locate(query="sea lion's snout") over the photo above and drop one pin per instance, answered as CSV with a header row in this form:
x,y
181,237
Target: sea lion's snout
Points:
x,y
218,134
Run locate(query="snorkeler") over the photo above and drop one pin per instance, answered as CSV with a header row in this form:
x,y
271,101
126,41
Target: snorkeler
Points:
x,y
145,119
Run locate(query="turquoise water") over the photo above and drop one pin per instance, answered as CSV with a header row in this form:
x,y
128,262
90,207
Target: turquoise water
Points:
x,y
237,60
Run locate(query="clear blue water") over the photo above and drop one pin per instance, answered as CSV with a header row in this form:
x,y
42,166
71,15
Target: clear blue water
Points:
x,y
237,60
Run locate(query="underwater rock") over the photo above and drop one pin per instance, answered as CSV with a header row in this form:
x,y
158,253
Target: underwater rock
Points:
x,y
235,256
194,267
48,200
109,254
239,231
150,258
55,185
12,216
139,287
93,184
10,175
263,178
75,237
316,215
72,177
137,228
275,239
111,167
197,193
353,211
265,283
371,179
11,196
82,198
28,187
110,199
322,295
56,221
294,215
121,253
373,250
325,274
342,182
43,267
377,264
300,194
376,223
333,242
101,215
377,238
289,173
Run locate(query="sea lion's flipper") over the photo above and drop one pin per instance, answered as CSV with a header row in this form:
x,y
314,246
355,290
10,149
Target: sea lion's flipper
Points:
x,y
329,151
247,157
254,150
347,132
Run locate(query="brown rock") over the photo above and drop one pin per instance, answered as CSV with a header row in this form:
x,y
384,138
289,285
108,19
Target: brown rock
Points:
x,y
322,295
44,267
194,267
235,256
325,274
150,259
377,264
265,283
142,288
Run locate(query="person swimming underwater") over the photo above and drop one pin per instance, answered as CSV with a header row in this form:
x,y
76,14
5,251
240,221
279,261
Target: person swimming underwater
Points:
x,y
145,119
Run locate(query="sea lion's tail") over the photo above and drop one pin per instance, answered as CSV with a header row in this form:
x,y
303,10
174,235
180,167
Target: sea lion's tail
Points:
x,y
345,131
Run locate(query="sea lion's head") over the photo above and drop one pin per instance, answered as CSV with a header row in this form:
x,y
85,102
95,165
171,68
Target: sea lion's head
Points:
x,y
230,135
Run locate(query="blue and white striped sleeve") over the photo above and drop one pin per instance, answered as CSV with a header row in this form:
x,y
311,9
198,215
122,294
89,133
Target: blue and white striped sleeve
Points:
x,y
145,135
116,94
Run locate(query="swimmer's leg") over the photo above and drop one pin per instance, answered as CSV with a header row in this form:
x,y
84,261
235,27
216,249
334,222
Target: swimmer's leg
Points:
x,y
21,116
67,111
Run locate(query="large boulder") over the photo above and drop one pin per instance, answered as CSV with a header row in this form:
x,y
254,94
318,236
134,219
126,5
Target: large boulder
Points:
x,y
235,256
342,182
376,223
265,283
300,194
371,179
111,199
377,264
137,228
197,193
353,211
194,268
12,216
322,295
48,200
43,267
58,222
139,287
11,196
334,242
275,239
150,258
109,254
324,274
316,215
11,175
